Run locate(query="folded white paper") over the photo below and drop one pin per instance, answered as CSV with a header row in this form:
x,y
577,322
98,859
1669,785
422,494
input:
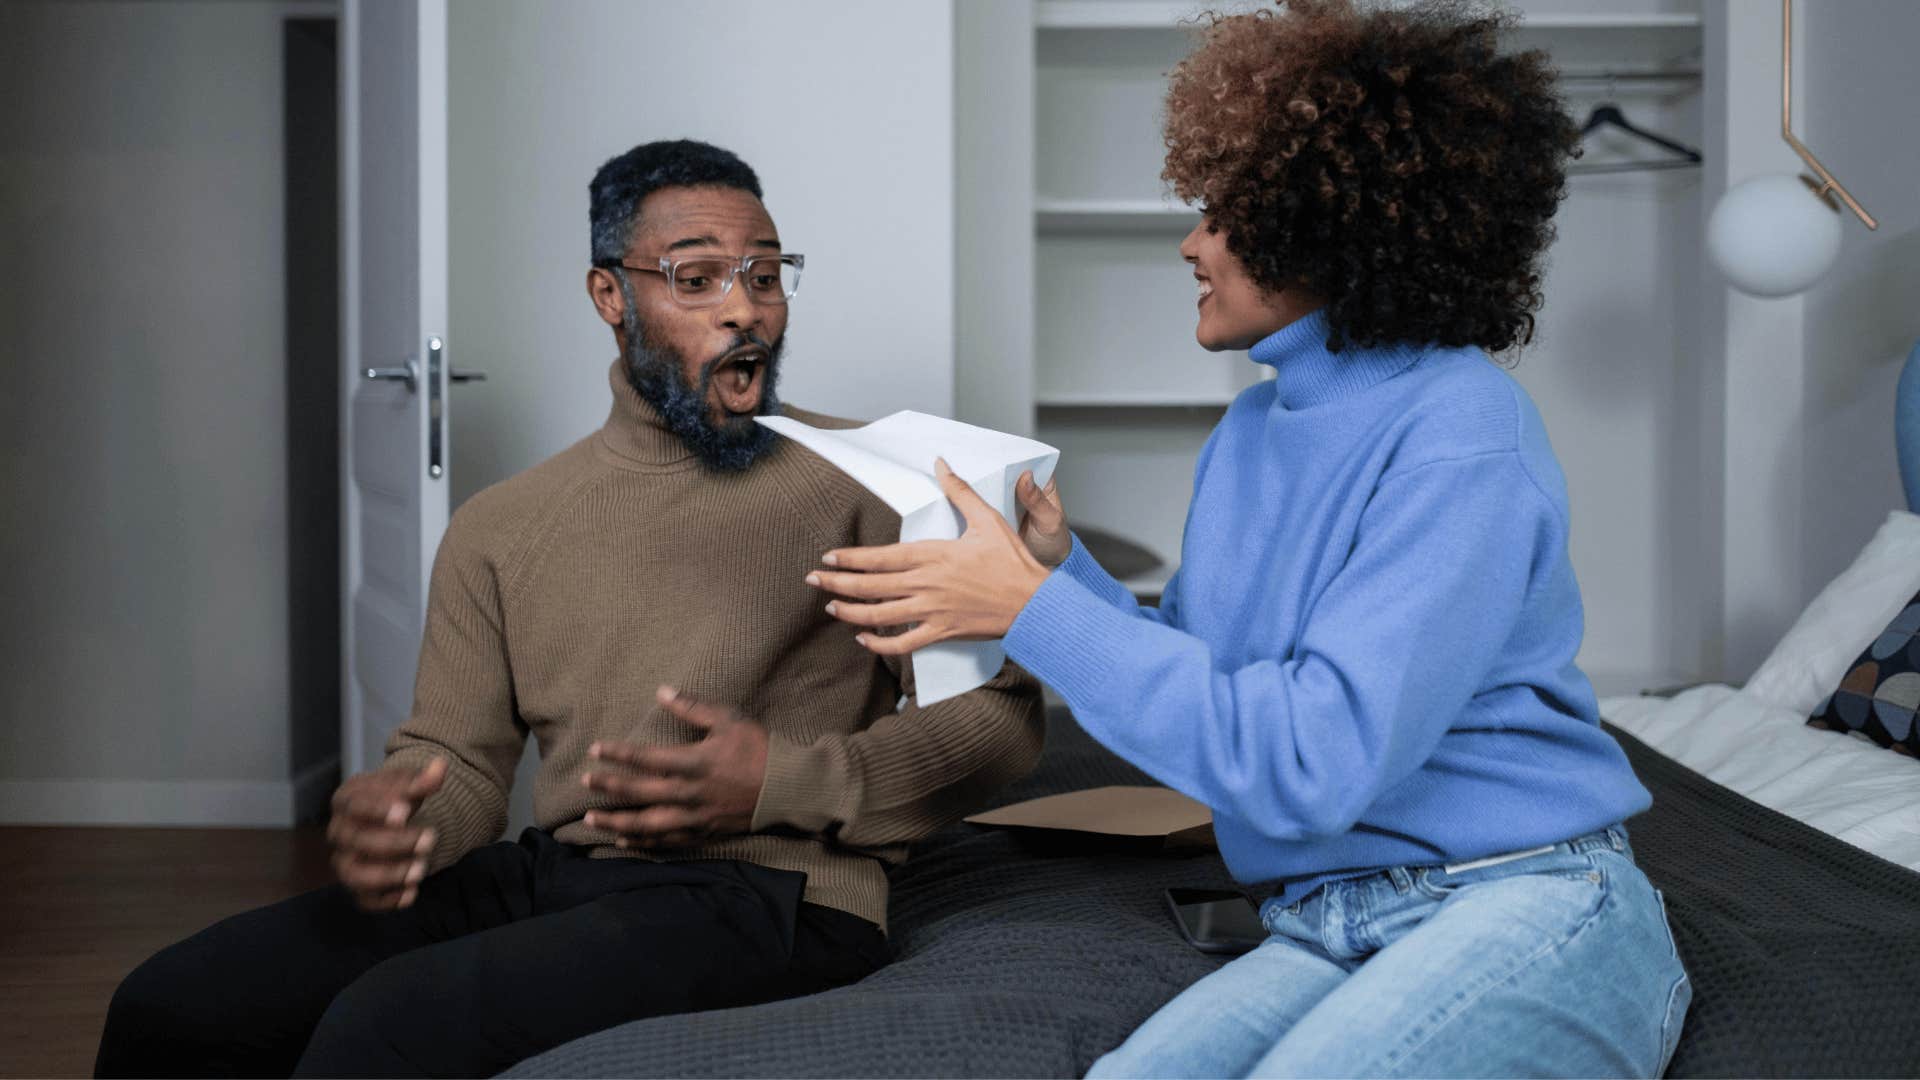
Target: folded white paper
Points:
x,y
893,458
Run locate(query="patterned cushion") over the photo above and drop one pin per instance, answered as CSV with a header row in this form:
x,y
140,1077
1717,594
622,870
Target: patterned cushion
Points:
x,y
1880,694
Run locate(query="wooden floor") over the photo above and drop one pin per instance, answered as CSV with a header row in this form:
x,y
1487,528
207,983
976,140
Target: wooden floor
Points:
x,y
79,908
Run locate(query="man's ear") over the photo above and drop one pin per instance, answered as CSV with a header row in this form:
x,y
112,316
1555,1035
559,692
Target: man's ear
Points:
x,y
604,290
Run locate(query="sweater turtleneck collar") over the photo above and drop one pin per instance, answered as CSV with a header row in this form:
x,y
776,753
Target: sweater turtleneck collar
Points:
x,y
1306,374
634,430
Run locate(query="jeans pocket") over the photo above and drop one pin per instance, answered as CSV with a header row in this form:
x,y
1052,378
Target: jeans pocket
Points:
x,y
1680,996
1678,999
1666,924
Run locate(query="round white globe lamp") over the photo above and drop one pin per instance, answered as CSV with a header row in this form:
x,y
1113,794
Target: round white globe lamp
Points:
x,y
1774,235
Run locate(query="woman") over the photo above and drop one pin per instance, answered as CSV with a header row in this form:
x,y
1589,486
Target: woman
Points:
x,y
1365,664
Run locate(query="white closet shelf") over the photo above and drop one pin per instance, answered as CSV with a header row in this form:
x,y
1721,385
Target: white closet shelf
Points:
x,y
1142,399
1113,14
1111,215
1590,43
1652,33
1168,14
1612,20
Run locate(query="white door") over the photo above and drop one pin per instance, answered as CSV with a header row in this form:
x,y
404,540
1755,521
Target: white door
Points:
x,y
393,440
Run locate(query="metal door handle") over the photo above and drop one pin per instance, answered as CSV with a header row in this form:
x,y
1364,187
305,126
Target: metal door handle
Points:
x,y
466,376
436,412
408,373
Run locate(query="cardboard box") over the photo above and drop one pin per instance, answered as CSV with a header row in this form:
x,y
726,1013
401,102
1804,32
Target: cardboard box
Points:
x,y
1124,818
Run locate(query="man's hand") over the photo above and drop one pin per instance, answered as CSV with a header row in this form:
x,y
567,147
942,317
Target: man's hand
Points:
x,y
376,854
677,796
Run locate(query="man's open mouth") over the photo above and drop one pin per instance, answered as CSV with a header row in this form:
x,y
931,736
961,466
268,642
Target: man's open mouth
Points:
x,y
739,378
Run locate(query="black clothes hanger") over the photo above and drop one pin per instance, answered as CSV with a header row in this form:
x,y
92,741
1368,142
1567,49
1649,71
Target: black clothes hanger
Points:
x,y
1607,114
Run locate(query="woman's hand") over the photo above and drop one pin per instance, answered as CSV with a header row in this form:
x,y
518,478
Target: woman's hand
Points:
x,y
1043,524
969,589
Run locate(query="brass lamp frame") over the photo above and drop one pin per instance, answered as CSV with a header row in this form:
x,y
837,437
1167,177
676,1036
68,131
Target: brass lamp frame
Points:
x,y
1827,182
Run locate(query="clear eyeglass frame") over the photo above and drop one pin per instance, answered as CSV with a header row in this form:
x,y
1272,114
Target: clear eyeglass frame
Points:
x,y
726,269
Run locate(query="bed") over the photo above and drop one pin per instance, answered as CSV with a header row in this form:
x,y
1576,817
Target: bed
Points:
x,y
1020,961
1789,858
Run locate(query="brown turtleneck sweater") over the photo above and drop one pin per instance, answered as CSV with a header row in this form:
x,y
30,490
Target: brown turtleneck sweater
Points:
x,y
563,597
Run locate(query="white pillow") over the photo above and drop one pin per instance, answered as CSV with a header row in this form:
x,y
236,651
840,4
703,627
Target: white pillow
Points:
x,y
1843,620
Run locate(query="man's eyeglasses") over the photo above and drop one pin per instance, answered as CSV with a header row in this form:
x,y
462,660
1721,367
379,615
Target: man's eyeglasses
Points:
x,y
697,281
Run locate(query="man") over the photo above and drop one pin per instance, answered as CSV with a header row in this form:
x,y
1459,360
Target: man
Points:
x,y
724,772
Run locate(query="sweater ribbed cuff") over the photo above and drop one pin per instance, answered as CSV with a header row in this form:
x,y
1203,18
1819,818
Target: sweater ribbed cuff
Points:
x,y
1068,637
1084,568
460,813
802,789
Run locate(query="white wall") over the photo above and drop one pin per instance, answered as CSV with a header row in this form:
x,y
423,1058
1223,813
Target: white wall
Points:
x,y
1609,372
850,129
142,452
993,214
1858,88
1751,347
1805,383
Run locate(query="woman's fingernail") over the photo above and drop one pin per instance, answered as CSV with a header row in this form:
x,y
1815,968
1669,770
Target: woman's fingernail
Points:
x,y
813,579
830,607
830,559
416,872
406,898
592,820
424,844
862,639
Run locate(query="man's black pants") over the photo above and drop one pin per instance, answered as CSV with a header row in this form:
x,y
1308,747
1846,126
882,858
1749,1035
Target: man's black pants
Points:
x,y
513,950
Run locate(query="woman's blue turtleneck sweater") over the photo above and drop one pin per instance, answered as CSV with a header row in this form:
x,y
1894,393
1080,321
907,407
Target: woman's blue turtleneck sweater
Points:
x,y
1366,659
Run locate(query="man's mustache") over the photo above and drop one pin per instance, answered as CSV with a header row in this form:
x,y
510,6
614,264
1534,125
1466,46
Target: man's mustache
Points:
x,y
743,341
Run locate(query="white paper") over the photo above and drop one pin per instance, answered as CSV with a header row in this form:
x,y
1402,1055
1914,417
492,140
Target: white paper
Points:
x,y
893,458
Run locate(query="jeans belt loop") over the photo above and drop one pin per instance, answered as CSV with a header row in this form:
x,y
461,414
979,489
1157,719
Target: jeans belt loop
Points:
x,y
1402,879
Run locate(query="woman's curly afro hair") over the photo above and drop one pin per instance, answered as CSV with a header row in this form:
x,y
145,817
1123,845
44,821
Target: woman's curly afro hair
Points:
x,y
1391,160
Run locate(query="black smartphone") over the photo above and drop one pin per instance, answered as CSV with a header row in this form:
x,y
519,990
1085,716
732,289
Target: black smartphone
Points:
x,y
1216,920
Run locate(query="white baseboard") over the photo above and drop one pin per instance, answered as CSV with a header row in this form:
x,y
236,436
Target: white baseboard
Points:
x,y
179,803
313,791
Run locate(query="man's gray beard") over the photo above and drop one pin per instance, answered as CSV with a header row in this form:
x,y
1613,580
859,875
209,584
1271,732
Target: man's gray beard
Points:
x,y
656,373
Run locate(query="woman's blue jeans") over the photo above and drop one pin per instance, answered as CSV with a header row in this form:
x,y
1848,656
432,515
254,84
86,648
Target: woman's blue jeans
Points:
x,y
1559,963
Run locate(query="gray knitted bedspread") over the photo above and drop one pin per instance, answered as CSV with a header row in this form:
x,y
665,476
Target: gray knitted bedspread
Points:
x,y
1010,961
